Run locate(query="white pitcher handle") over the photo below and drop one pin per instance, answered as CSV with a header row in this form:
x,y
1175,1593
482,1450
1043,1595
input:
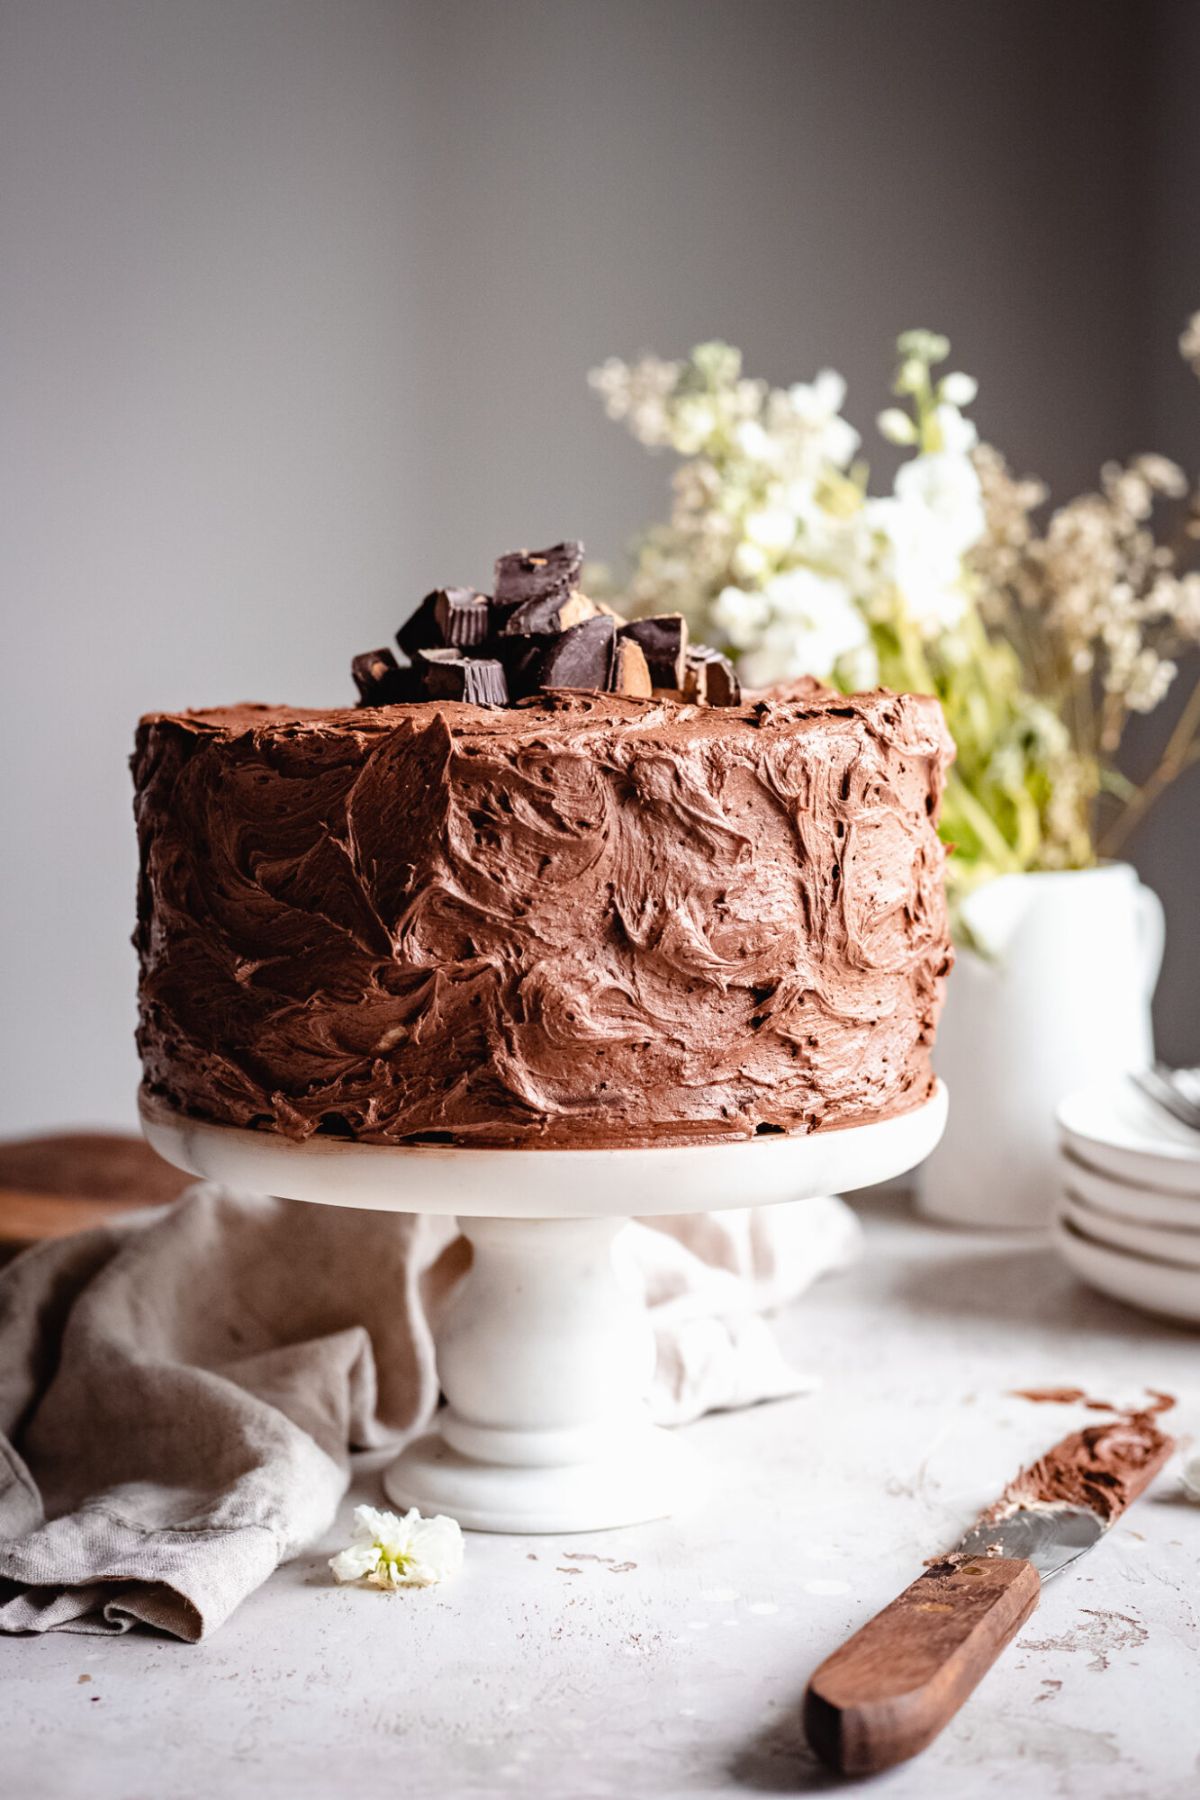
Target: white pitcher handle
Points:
x,y
1152,935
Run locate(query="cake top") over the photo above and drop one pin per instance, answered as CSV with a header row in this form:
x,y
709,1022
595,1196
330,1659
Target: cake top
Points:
x,y
912,720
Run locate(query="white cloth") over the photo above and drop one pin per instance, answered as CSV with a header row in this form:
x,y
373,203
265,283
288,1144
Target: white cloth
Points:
x,y
180,1394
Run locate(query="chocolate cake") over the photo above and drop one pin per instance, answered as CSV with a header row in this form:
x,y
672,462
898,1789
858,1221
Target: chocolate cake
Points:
x,y
534,891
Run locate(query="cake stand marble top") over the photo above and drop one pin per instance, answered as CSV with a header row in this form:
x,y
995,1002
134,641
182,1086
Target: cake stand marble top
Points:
x,y
540,1184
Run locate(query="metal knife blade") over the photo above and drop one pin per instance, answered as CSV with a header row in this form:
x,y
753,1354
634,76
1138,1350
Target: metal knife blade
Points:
x,y
1050,1537
1041,1517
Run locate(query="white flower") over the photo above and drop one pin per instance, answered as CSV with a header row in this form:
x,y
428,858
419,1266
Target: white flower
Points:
x,y
910,376
817,405
391,1552
896,426
695,422
959,389
816,401
923,565
958,435
926,346
859,669
814,625
740,616
1189,343
754,443
1191,1468
933,518
947,487
771,527
749,561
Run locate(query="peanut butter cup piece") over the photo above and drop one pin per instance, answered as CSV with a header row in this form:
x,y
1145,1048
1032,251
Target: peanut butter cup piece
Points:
x,y
445,674
582,657
631,673
464,617
380,680
525,575
420,631
663,641
709,678
547,616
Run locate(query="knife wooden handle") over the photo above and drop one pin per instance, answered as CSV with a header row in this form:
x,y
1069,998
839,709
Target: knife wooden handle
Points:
x,y
891,1688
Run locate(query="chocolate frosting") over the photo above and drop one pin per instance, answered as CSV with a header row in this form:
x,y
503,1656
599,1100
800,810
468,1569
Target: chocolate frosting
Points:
x,y
587,920
1104,1467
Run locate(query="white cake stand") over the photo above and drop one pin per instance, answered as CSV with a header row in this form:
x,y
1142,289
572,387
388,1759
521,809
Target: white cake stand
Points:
x,y
544,1358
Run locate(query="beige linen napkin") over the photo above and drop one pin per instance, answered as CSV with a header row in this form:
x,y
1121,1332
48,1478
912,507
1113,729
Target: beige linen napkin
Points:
x,y
180,1393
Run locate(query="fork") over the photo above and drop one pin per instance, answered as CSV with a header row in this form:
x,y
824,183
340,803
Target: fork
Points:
x,y
1165,1088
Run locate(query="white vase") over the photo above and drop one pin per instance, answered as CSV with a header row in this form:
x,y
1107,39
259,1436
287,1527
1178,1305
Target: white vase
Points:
x,y
1057,996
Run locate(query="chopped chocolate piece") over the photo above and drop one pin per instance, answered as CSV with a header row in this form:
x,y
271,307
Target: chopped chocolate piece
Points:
x,y
521,660
537,574
582,657
724,688
577,609
631,674
709,678
448,675
664,642
380,680
464,618
421,631
549,614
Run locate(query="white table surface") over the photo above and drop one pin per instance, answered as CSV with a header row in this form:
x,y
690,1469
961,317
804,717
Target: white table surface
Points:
x,y
669,1659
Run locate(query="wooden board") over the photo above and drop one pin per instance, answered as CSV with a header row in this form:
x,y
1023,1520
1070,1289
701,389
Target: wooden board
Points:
x,y
62,1182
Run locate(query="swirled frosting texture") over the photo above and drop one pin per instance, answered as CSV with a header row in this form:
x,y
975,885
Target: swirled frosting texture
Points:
x,y
584,921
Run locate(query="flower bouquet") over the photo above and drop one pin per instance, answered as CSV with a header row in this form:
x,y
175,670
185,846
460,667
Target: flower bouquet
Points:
x,y
1041,633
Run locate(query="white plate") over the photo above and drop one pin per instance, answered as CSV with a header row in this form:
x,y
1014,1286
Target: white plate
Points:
x,y
1157,1287
1124,1199
1116,1129
1160,1241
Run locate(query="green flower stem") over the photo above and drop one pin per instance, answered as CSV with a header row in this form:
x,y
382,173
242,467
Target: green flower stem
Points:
x,y
960,799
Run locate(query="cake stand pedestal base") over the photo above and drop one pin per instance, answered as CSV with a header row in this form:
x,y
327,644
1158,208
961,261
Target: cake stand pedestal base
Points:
x,y
544,1355
648,1476
545,1358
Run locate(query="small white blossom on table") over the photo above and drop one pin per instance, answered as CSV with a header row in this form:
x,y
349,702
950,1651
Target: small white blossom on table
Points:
x,y
390,1552
1191,1477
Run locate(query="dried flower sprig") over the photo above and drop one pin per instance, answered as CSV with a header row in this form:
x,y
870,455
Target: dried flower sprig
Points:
x,y
1102,608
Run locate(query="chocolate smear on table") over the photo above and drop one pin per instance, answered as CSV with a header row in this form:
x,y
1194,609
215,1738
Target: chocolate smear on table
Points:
x,y
1069,1396
539,633
1058,1396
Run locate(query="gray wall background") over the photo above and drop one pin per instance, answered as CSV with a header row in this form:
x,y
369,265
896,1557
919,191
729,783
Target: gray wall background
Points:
x,y
297,299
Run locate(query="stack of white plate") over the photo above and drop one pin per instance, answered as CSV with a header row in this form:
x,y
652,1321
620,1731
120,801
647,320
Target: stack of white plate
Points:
x,y
1128,1220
